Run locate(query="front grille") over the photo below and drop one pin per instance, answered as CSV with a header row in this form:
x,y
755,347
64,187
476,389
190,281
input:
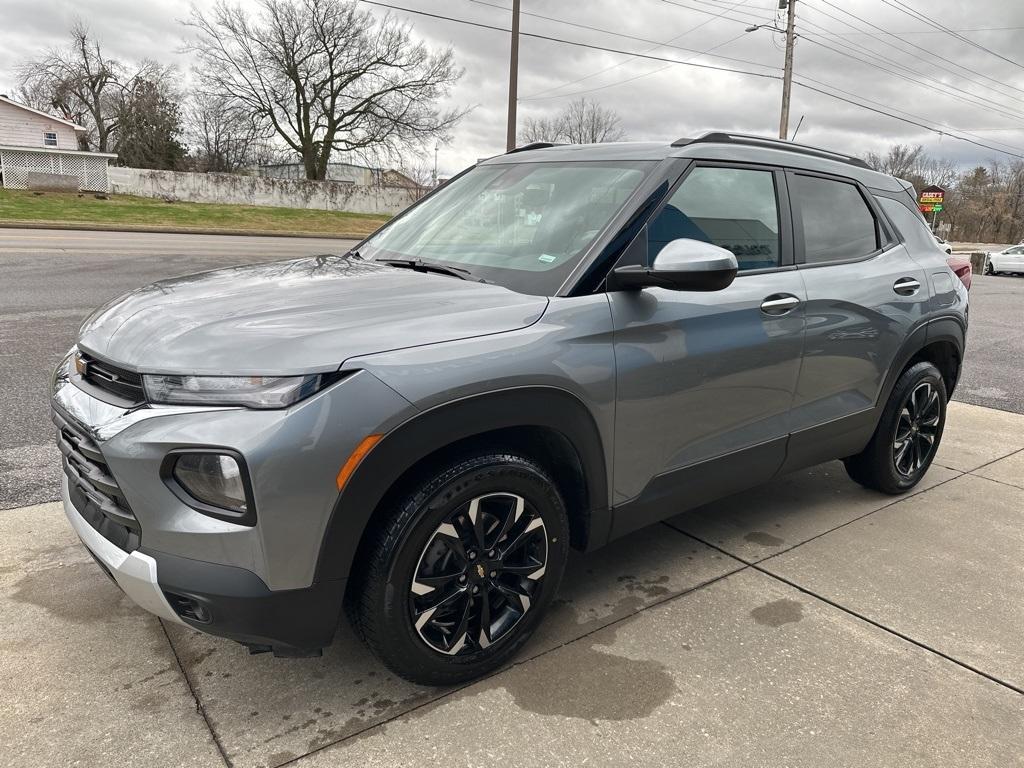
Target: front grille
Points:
x,y
112,378
93,490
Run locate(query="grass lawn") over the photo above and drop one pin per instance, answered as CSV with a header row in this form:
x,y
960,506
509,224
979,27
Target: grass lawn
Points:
x,y
125,211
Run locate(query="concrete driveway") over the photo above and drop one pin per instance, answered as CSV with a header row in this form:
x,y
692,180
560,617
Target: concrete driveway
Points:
x,y
806,623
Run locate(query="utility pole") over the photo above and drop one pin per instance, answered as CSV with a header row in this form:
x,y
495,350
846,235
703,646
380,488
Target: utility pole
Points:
x,y
787,80
513,75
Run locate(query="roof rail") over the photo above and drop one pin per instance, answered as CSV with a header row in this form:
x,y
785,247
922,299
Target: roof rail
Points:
x,y
722,137
532,145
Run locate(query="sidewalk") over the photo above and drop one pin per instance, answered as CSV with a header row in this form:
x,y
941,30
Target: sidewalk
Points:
x,y
808,622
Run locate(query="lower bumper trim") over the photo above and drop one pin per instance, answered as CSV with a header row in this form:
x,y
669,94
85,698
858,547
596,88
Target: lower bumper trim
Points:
x,y
134,572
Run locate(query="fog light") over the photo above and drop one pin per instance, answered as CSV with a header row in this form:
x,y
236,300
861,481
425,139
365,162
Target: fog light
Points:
x,y
212,478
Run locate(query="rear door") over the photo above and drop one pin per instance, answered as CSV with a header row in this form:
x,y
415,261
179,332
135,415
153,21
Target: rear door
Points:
x,y
703,377
865,296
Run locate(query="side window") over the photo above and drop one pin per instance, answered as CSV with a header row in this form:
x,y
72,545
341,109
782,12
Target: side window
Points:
x,y
49,139
837,222
915,232
735,208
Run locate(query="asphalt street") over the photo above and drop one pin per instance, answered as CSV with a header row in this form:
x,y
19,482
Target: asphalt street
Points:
x,y
51,280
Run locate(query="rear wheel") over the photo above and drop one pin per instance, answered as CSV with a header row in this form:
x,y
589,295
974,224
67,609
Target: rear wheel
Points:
x,y
461,574
907,435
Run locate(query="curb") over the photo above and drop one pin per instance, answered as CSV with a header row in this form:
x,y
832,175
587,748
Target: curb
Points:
x,y
91,227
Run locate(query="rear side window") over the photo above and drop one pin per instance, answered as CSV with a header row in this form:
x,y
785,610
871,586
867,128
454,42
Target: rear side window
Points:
x,y
734,208
915,232
837,223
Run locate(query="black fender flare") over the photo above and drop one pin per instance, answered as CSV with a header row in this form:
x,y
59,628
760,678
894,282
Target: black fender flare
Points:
x,y
443,425
946,328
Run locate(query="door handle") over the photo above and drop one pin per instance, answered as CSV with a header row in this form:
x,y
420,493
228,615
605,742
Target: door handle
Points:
x,y
906,286
779,304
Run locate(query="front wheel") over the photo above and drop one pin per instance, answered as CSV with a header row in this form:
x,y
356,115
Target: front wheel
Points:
x,y
461,573
989,269
907,435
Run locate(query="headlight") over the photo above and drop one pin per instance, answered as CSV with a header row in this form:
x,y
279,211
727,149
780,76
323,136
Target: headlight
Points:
x,y
63,370
247,391
212,478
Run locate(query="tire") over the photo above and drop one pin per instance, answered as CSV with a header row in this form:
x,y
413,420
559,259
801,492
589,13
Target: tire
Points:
x,y
419,604
908,433
989,270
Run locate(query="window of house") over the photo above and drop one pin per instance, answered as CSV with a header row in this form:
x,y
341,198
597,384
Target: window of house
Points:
x,y
49,139
837,222
734,208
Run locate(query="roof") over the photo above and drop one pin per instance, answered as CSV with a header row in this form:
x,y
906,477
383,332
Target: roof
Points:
x,y
47,115
714,146
54,151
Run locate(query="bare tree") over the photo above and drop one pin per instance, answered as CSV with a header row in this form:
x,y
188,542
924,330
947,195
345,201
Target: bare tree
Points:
x,y
902,160
325,76
80,82
540,129
582,122
223,136
587,122
84,85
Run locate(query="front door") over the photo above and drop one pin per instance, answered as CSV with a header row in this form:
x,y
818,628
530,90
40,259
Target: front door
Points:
x,y
705,378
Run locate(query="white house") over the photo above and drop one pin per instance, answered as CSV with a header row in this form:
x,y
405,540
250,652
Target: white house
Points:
x,y
40,151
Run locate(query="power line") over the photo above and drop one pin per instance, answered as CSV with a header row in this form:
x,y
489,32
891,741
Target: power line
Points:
x,y
937,31
914,13
656,44
892,62
660,69
967,97
973,99
690,64
940,87
575,43
628,79
930,53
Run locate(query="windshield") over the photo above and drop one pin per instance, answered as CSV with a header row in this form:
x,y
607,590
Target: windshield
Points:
x,y
523,225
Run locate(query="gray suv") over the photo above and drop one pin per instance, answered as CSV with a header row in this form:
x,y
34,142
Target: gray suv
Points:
x,y
559,346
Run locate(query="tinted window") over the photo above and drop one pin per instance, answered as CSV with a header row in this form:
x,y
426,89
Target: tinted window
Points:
x,y
910,224
837,223
522,225
734,208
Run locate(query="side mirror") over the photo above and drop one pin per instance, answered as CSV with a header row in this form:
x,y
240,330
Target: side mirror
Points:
x,y
682,265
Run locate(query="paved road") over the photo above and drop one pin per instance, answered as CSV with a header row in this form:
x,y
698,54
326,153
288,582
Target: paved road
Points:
x,y
994,362
49,282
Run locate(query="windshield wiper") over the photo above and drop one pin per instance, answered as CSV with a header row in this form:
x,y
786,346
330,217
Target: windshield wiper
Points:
x,y
420,265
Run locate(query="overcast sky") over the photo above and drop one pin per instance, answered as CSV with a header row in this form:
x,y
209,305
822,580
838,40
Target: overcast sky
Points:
x,y
663,101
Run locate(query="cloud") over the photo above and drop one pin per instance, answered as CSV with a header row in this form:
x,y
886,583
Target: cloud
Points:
x,y
678,100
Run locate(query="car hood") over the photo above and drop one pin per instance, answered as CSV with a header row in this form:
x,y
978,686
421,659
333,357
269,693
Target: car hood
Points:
x,y
289,317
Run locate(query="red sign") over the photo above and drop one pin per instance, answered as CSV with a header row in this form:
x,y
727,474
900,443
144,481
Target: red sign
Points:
x,y
932,196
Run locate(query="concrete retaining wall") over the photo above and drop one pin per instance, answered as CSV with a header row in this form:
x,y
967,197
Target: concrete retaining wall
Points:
x,y
254,190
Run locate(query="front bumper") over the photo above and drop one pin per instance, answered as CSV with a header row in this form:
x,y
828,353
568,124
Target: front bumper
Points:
x,y
134,572
236,603
252,583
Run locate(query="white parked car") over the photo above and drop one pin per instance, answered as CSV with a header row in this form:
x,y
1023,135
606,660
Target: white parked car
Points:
x,y
944,245
1008,260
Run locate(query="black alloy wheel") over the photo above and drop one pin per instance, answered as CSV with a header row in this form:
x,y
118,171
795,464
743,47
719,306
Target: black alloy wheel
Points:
x,y
477,576
907,435
459,574
916,429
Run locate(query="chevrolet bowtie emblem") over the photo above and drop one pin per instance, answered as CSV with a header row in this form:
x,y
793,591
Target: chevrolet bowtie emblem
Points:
x,y
480,570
